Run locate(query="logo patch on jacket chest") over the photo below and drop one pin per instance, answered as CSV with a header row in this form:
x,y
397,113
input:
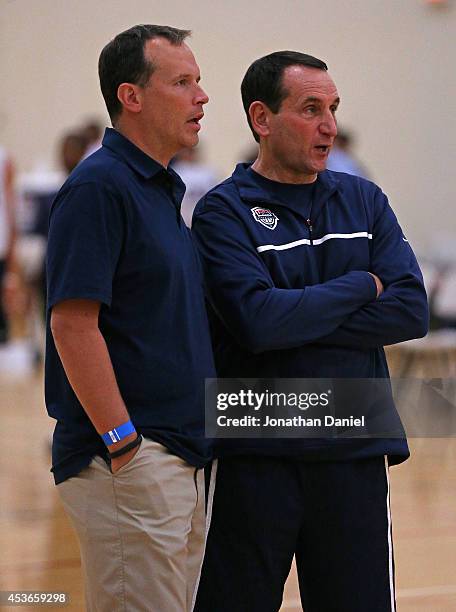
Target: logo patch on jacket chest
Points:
x,y
265,216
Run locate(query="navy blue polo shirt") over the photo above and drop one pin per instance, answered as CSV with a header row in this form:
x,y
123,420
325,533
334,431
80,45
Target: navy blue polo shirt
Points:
x,y
116,236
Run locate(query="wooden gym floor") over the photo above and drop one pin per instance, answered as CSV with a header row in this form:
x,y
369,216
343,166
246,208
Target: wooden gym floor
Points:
x,y
39,550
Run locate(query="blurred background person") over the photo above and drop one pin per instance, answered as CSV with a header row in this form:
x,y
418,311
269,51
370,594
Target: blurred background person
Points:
x,y
73,147
7,238
197,176
25,291
92,130
71,150
341,157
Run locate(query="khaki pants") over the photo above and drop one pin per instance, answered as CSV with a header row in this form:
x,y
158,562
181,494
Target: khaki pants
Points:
x,y
141,531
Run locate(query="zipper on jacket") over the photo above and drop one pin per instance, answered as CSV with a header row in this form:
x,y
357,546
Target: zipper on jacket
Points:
x,y
309,225
309,219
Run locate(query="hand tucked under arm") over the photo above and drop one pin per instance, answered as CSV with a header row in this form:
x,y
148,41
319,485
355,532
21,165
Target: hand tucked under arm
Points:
x,y
378,284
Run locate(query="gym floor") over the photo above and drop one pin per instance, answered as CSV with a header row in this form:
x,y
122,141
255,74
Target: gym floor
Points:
x,y
40,552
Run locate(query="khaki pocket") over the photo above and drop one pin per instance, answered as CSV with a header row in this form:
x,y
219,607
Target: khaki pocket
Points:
x,y
131,462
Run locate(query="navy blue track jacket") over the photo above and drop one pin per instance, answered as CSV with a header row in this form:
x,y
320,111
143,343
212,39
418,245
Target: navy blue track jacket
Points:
x,y
290,294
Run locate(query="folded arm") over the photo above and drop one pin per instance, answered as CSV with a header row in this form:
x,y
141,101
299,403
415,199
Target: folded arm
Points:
x,y
401,312
240,288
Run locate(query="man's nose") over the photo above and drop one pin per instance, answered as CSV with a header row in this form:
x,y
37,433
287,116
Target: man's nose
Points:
x,y
201,97
329,125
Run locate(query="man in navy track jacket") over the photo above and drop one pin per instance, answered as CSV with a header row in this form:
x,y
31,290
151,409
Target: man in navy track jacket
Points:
x,y
308,275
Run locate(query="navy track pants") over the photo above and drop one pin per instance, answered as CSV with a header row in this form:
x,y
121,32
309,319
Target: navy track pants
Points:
x,y
333,516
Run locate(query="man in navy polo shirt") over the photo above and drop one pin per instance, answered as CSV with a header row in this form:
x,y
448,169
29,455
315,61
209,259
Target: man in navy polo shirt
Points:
x,y
309,275
128,346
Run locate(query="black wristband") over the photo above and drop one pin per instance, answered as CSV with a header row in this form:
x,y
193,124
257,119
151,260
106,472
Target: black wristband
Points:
x,y
126,448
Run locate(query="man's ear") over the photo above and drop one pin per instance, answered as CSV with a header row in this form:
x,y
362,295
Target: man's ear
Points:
x,y
129,96
259,117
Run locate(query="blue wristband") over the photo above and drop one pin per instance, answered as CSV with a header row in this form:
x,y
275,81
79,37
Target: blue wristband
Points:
x,y
118,433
